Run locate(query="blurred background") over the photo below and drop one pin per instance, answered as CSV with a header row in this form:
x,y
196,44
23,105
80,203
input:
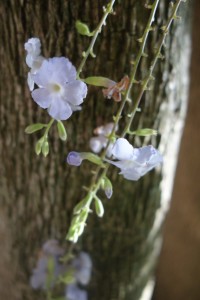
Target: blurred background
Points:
x,y
178,271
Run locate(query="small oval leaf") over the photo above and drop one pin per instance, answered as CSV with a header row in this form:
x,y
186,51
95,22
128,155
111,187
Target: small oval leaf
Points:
x,y
34,127
99,81
83,29
144,132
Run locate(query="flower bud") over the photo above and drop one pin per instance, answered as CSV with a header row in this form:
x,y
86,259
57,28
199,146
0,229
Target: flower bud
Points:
x,y
99,207
74,158
61,131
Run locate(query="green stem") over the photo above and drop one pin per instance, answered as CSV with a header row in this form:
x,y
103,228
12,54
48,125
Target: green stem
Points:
x,y
152,66
89,51
135,67
48,127
95,186
99,174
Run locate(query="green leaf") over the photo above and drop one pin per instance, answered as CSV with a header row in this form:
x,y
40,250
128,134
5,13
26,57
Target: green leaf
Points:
x,y
34,127
99,81
83,29
93,158
99,207
61,131
144,132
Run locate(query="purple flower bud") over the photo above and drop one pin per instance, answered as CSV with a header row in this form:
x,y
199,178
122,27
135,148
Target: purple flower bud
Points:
x,y
74,158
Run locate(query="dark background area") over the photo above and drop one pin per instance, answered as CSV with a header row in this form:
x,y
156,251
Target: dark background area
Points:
x,y
178,272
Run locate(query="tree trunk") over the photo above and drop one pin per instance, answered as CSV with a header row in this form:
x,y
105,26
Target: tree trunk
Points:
x,y
38,194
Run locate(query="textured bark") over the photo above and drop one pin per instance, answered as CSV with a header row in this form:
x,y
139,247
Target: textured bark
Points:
x,y
38,193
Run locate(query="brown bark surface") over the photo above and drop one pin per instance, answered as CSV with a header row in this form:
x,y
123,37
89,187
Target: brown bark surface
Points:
x,y
180,256
38,194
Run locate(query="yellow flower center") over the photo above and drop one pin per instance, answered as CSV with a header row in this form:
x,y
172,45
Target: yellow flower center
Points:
x,y
56,87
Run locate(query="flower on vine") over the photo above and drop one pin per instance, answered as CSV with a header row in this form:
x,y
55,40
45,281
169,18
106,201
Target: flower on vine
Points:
x,y
51,251
58,90
99,142
33,59
134,162
83,267
114,91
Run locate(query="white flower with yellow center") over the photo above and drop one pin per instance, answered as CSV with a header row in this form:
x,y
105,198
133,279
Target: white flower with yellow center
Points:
x,y
58,90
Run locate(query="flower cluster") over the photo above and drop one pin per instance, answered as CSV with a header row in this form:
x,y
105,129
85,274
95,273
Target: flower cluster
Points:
x,y
58,89
80,267
134,162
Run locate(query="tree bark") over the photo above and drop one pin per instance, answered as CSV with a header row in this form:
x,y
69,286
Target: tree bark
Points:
x,y
38,194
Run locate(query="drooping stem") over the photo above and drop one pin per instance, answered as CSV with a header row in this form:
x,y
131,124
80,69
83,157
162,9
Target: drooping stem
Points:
x,y
99,173
48,127
152,66
135,67
107,10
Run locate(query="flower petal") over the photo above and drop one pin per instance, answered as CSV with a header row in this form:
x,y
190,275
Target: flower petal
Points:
x,y
61,69
131,174
59,109
42,97
76,91
122,149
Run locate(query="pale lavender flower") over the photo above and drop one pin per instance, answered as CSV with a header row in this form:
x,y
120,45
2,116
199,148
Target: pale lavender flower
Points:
x,y
100,141
50,250
33,59
58,91
83,266
33,48
73,292
134,162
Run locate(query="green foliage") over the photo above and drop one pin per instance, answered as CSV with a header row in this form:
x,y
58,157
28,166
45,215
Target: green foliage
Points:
x,y
83,29
34,127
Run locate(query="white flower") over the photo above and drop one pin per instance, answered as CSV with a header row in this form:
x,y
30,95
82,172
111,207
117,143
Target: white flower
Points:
x,y
33,48
59,91
134,162
99,142
33,59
